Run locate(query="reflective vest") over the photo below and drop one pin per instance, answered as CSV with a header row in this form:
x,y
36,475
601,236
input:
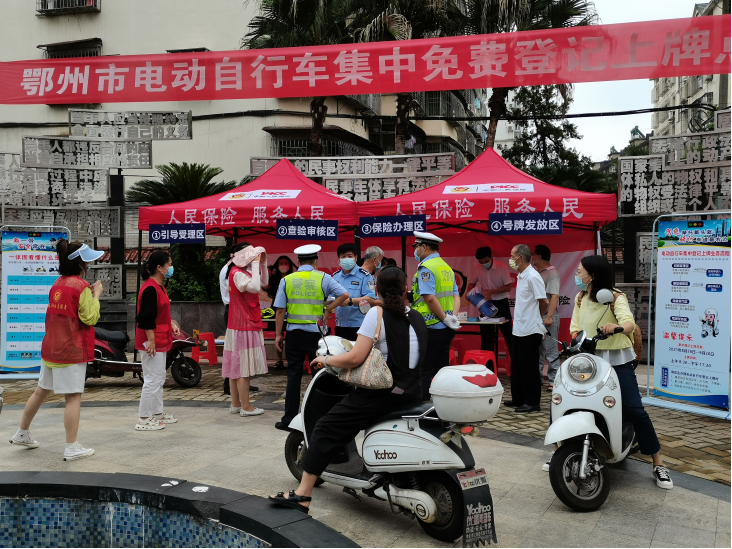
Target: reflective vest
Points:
x,y
68,340
163,330
305,297
444,283
244,310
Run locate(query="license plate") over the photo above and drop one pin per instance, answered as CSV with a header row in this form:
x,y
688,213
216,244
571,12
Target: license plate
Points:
x,y
472,479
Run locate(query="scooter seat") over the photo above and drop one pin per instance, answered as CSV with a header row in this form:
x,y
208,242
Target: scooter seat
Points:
x,y
110,336
414,409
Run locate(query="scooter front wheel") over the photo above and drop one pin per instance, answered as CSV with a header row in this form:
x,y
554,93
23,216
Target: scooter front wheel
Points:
x,y
185,371
294,452
578,494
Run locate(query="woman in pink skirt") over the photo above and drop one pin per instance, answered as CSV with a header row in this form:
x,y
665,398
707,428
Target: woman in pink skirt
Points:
x,y
244,354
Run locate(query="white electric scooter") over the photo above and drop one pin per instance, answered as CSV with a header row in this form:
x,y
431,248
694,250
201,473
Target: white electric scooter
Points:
x,y
414,457
587,423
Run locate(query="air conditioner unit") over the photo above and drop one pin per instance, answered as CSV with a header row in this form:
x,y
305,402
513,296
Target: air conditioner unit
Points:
x,y
709,77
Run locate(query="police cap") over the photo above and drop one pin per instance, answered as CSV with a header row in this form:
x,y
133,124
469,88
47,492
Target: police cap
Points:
x,y
426,238
309,251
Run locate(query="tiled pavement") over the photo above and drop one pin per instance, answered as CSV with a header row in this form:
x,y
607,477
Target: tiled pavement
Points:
x,y
693,444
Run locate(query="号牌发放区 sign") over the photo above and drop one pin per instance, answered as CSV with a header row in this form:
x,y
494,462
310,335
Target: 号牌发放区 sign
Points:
x,y
546,223
592,53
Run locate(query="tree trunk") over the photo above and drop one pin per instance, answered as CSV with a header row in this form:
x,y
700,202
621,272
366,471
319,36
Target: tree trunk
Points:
x,y
401,134
318,110
497,106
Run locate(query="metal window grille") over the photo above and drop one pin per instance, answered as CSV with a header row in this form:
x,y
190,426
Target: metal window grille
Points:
x,y
52,7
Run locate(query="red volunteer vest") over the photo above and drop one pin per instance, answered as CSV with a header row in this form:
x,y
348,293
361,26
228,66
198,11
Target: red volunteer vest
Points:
x,y
245,312
163,330
68,340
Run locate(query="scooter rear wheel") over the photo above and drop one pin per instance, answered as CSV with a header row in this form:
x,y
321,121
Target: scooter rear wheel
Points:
x,y
185,371
450,508
579,494
294,451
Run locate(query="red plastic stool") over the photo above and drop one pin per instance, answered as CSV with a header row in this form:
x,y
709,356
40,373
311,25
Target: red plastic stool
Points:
x,y
210,355
458,345
477,356
453,357
268,334
505,363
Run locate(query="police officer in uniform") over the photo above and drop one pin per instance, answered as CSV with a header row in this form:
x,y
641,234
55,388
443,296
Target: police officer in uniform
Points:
x,y
302,295
436,297
360,285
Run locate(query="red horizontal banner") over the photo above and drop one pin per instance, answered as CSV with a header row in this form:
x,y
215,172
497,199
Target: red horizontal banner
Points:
x,y
654,49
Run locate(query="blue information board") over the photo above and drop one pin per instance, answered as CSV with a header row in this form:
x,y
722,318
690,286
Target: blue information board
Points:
x,y
307,229
393,225
509,224
178,233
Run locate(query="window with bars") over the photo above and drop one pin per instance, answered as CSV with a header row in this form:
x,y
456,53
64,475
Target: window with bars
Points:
x,y
79,48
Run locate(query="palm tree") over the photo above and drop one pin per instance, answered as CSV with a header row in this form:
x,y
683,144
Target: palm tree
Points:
x,y
499,16
297,23
370,21
179,183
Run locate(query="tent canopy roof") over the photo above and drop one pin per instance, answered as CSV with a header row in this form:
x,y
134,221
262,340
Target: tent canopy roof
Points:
x,y
489,185
281,192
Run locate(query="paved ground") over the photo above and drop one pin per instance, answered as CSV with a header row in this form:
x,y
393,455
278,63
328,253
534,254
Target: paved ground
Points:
x,y
693,444
211,446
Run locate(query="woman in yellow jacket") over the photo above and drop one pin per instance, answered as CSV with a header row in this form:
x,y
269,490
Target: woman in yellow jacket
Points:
x,y
593,275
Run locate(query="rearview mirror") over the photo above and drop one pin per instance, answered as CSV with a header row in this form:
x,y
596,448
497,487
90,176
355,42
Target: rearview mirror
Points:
x,y
322,328
605,297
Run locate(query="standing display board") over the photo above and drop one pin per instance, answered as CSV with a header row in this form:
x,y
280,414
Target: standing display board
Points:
x,y
692,327
30,267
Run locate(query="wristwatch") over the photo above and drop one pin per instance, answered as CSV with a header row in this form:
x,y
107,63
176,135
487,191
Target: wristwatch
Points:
x,y
350,302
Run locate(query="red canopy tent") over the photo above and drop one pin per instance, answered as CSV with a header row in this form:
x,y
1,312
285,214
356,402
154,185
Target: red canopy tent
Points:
x,y
282,192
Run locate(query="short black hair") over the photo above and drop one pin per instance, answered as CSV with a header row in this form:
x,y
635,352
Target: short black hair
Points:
x,y
483,251
240,246
543,252
345,248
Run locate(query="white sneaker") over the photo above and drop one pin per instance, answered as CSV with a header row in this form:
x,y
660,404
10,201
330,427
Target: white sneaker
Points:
x,y
234,410
149,424
165,418
255,412
76,451
545,467
23,438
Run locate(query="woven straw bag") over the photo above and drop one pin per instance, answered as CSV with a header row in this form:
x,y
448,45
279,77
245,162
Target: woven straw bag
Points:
x,y
373,373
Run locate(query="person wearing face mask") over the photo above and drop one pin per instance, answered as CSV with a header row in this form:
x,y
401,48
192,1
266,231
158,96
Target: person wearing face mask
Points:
x,y
281,268
528,332
493,279
154,337
437,299
552,284
359,282
302,295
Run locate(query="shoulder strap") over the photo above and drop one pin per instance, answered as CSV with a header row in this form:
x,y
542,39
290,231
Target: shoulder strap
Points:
x,y
379,312
580,297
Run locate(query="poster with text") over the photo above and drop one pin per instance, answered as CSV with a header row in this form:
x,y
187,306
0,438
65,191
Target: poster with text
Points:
x,y
30,267
692,355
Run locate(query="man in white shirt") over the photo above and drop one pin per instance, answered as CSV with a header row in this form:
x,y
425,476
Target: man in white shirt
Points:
x,y
528,332
224,288
493,280
552,284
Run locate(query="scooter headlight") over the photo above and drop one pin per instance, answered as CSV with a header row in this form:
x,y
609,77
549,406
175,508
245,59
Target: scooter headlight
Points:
x,y
581,368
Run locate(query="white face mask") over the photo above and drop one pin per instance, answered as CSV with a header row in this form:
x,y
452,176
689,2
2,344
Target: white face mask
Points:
x,y
283,268
488,265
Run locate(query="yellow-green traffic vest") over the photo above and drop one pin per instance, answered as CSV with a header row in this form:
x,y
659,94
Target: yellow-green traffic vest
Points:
x,y
444,284
305,297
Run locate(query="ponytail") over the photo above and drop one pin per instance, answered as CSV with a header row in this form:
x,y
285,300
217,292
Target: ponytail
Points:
x,y
66,266
391,284
158,258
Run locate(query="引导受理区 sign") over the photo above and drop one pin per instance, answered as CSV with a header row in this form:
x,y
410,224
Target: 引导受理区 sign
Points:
x,y
692,343
307,229
546,223
592,53
178,233
397,225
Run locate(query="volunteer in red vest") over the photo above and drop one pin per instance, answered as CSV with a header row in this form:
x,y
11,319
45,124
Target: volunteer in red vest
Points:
x,y
244,354
154,337
73,310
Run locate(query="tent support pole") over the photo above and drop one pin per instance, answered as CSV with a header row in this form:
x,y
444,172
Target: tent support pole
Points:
x,y
236,237
139,268
357,238
404,254
615,223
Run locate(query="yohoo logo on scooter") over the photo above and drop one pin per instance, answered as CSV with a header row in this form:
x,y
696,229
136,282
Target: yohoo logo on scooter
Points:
x,y
414,458
587,422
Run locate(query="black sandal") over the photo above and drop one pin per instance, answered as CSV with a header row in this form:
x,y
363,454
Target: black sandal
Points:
x,y
292,501
279,364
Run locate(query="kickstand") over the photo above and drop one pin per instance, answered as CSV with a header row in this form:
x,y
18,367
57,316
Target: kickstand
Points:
x,y
352,492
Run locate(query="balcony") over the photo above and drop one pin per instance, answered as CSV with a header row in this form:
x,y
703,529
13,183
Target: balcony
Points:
x,y
445,105
369,103
66,7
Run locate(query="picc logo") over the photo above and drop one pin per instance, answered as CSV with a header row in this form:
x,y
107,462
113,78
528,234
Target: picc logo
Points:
x,y
384,454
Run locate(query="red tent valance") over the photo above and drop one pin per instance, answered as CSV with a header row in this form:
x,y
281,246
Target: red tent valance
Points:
x,y
489,185
282,192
